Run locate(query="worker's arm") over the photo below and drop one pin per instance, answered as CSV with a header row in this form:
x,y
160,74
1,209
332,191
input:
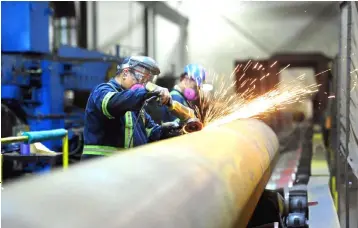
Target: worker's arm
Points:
x,y
156,132
114,104
153,130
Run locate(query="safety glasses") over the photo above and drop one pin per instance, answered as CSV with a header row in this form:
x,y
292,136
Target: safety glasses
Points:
x,y
142,74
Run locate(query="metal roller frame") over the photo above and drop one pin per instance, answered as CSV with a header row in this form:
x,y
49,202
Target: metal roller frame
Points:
x,y
211,178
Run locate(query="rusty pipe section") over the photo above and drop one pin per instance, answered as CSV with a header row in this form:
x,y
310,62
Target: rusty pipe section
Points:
x,y
207,179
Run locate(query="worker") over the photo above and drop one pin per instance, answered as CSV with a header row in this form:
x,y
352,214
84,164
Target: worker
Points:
x,y
187,90
114,116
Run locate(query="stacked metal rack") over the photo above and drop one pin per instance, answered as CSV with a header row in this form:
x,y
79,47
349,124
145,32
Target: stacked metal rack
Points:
x,y
344,112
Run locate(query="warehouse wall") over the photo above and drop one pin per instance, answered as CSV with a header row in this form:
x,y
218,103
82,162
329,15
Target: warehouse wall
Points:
x,y
167,47
218,33
119,23
123,23
221,33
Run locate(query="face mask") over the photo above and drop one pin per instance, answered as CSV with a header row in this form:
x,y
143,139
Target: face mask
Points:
x,y
190,94
137,86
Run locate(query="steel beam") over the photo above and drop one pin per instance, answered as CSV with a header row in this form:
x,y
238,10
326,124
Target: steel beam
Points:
x,y
82,31
150,25
212,178
165,11
160,8
95,24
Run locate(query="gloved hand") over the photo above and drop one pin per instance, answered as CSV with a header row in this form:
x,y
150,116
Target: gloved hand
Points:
x,y
170,124
163,93
170,129
151,94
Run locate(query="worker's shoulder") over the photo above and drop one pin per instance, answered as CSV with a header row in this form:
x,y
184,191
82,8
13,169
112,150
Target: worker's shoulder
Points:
x,y
175,92
177,97
103,86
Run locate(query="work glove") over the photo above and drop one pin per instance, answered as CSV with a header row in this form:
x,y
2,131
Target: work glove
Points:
x,y
170,129
151,95
173,124
163,93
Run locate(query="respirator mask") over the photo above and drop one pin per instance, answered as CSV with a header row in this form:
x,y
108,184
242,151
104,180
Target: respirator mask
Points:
x,y
137,86
190,94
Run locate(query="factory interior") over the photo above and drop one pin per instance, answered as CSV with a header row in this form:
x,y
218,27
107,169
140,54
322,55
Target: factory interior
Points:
x,y
182,114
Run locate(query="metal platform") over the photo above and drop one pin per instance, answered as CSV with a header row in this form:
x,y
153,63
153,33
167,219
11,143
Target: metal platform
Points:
x,y
324,214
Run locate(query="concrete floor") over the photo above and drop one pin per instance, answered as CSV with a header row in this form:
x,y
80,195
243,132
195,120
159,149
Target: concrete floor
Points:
x,y
324,214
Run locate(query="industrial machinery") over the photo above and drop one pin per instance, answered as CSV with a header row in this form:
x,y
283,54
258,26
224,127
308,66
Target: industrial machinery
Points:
x,y
43,89
217,181
39,88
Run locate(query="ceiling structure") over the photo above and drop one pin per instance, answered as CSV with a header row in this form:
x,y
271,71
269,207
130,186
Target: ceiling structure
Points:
x,y
273,26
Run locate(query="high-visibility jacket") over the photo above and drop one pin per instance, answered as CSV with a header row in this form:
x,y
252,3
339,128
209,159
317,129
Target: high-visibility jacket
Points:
x,y
110,120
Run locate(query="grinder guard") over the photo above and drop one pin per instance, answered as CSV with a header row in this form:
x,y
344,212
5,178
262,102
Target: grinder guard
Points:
x,y
192,125
187,116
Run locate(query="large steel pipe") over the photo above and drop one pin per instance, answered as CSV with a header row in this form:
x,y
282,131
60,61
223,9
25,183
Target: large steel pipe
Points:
x,y
212,178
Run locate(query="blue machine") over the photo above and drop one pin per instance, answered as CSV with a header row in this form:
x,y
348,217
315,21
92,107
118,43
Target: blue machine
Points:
x,y
33,79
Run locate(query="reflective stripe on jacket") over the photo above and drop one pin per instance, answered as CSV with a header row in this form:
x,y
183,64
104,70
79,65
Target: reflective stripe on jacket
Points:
x,y
110,116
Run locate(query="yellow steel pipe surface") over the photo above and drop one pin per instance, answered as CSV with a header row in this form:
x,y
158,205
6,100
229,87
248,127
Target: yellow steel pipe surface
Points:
x,y
212,178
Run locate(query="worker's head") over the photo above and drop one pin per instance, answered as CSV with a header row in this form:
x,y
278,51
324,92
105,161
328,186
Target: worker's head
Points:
x,y
191,81
136,70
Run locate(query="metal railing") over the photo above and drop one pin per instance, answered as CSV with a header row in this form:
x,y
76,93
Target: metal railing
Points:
x,y
345,115
39,136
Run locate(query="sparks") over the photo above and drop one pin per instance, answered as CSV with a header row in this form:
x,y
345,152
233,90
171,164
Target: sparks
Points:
x,y
322,72
283,69
273,64
223,106
264,104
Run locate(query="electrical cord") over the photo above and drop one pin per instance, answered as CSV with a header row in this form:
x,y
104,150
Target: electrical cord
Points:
x,y
155,96
79,145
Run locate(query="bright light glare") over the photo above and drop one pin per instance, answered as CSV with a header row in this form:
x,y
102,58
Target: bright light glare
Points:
x,y
207,87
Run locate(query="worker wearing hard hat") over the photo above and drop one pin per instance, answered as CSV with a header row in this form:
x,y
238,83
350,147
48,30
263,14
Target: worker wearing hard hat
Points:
x,y
187,90
115,118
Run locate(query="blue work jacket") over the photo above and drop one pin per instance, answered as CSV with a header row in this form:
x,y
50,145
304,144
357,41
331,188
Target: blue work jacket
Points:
x,y
111,118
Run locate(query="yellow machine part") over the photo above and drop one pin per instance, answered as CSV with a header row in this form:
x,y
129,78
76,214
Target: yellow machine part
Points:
x,y
182,112
208,179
